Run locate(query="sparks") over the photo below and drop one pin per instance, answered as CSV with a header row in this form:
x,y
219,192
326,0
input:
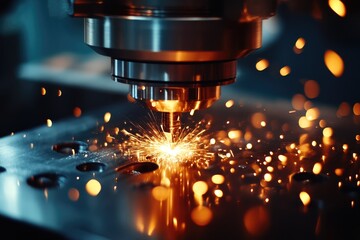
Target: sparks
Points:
x,y
149,142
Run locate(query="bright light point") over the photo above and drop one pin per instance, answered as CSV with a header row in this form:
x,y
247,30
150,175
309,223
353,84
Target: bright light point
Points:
x,y
234,134
312,114
93,187
338,7
305,198
334,62
218,193
262,65
229,103
218,179
282,158
300,43
43,91
327,132
249,146
284,71
304,122
200,188
48,122
153,144
317,168
267,177
107,117
212,141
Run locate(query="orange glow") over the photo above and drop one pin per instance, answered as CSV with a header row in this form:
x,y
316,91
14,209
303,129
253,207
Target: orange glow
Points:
x,y
218,193
59,93
77,112
312,114
284,71
218,179
267,177
327,132
200,188
93,187
282,158
343,110
234,134
356,109
160,193
300,43
201,215
304,122
305,198
334,63
298,101
338,7
257,118
256,220
262,65
107,117
43,91
247,136
339,171
73,194
322,123
345,147
317,168
311,89
229,103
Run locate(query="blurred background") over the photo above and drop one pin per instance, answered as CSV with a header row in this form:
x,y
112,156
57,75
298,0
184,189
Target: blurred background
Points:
x,y
310,52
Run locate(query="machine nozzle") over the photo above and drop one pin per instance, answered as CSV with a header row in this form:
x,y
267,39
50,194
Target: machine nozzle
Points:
x,y
171,124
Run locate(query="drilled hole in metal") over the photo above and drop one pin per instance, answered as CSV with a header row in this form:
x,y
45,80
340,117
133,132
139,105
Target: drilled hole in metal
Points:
x,y
137,168
46,180
70,148
2,169
308,177
91,167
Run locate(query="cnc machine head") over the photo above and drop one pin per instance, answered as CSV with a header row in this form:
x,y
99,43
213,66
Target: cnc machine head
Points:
x,y
174,55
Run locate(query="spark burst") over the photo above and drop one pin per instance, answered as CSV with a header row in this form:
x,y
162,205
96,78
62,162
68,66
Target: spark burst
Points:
x,y
149,143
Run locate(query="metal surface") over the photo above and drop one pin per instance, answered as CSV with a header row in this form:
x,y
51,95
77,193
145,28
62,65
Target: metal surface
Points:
x,y
77,179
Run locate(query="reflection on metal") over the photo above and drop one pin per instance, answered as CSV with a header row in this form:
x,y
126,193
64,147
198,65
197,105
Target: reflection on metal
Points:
x,y
267,180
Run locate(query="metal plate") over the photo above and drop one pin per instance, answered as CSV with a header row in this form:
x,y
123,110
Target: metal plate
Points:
x,y
75,180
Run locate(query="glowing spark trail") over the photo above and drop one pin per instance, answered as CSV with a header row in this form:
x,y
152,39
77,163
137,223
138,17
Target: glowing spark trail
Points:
x,y
150,143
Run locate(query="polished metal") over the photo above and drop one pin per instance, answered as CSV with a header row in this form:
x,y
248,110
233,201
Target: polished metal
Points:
x,y
174,73
171,44
74,179
175,99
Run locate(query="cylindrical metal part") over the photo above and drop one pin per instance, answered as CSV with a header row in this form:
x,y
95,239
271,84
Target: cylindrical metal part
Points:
x,y
171,124
174,54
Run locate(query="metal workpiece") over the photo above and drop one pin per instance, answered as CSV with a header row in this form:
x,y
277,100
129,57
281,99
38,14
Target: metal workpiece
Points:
x,y
227,178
